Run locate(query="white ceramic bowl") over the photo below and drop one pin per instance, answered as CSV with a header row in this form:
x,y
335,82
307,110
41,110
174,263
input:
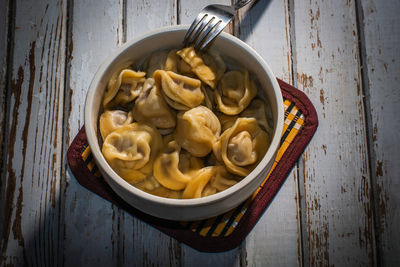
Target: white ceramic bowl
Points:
x,y
183,209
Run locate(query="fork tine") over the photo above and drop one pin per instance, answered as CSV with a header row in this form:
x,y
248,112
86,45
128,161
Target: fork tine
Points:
x,y
213,34
202,25
198,19
213,24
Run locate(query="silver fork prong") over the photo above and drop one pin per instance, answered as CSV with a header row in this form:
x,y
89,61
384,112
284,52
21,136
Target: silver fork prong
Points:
x,y
202,25
213,34
196,22
212,25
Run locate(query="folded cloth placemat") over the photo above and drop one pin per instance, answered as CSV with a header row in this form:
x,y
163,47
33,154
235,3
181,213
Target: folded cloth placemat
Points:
x,y
225,231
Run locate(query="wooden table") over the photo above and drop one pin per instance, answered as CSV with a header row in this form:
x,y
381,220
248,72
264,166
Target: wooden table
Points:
x,y
339,206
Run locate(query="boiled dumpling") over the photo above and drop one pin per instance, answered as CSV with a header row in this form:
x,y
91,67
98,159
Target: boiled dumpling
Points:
x,y
166,167
213,59
152,186
180,92
242,146
258,110
130,150
172,61
197,65
197,130
156,62
123,88
175,64
150,107
220,181
226,121
235,92
195,186
111,120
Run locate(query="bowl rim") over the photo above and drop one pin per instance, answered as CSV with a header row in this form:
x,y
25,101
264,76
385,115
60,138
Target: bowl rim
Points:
x,y
98,156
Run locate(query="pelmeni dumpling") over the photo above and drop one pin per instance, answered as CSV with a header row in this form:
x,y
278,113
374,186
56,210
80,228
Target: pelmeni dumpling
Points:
x,y
152,186
180,92
242,146
156,62
220,181
214,60
111,120
226,121
166,168
235,92
195,186
150,107
197,65
131,149
197,130
258,110
123,87
175,64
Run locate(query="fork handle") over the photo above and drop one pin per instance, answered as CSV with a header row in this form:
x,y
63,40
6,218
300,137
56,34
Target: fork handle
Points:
x,y
241,3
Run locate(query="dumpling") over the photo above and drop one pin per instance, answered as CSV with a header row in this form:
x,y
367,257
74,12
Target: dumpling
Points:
x,y
123,88
176,64
242,146
156,62
152,186
226,121
180,92
214,60
197,130
198,66
235,92
172,61
209,100
220,181
166,168
258,110
150,107
111,120
195,186
131,149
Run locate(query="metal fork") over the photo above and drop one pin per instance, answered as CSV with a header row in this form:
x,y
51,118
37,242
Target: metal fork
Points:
x,y
210,22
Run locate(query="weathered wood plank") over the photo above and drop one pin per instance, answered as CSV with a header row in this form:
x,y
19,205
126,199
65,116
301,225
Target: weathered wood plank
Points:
x,y
334,170
275,240
33,157
191,257
143,244
5,22
91,223
4,46
381,60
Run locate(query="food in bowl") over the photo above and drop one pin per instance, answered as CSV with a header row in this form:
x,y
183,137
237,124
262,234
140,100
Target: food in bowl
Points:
x,y
184,124
136,50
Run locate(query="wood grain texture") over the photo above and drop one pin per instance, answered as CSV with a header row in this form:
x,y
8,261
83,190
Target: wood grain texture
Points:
x,y
144,245
275,240
334,169
33,157
381,59
91,223
4,46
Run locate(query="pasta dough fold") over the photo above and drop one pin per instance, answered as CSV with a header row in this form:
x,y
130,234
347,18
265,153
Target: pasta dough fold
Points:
x,y
180,92
242,146
111,120
207,68
235,92
150,107
123,88
130,150
168,169
197,130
